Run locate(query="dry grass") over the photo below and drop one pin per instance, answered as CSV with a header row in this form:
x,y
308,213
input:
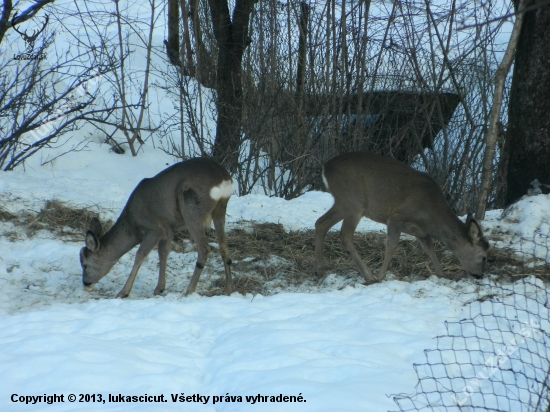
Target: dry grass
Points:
x,y
55,217
266,256
265,253
508,266
297,247
6,216
58,218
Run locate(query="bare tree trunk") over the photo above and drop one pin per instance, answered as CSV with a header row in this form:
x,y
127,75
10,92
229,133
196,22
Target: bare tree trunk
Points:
x,y
7,8
205,73
528,119
494,116
361,62
232,38
187,39
302,51
344,83
173,43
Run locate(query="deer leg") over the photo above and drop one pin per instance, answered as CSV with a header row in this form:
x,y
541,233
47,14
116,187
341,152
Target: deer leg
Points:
x,y
392,241
196,229
218,216
148,243
346,236
428,246
322,226
164,250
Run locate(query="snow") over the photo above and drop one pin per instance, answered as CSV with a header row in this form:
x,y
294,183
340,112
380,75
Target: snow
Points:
x,y
342,350
346,349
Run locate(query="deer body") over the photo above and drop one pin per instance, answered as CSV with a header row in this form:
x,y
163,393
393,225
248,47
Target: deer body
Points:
x,y
406,200
188,194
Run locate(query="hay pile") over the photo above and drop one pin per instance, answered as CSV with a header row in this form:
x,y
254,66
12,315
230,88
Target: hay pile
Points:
x,y
266,239
6,216
267,259
266,256
55,217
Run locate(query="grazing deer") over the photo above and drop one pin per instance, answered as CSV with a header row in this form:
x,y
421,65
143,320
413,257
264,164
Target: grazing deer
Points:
x,y
188,194
406,200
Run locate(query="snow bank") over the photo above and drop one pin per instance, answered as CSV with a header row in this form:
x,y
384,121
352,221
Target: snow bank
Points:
x,y
344,350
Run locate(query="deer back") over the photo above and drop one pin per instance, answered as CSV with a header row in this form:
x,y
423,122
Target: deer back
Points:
x,y
383,188
198,182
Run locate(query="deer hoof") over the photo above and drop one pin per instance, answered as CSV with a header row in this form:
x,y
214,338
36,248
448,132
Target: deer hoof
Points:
x,y
122,295
158,292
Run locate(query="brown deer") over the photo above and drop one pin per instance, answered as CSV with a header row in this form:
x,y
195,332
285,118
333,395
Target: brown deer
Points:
x,y
188,194
406,200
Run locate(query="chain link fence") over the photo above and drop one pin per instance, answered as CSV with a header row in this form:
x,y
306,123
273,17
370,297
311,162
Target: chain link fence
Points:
x,y
498,357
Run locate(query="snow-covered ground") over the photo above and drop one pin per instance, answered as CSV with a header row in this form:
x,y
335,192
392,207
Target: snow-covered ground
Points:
x,y
340,350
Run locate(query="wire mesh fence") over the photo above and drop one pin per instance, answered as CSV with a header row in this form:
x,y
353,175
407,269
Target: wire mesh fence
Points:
x,y
497,358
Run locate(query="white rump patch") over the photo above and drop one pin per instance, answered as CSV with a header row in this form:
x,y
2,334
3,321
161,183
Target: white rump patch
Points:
x,y
325,181
224,189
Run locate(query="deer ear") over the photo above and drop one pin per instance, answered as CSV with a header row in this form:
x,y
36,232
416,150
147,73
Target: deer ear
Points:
x,y
474,230
95,227
92,242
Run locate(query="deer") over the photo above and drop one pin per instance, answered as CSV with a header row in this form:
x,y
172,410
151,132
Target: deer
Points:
x,y
191,194
406,201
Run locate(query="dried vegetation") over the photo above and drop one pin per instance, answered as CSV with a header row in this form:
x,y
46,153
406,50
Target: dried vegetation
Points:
x,y
55,217
267,259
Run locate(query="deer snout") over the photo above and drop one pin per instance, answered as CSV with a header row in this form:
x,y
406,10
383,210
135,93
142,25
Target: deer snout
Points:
x,y
88,286
478,274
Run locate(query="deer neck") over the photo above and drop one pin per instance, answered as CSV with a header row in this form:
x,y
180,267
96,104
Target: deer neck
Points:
x,y
119,239
452,231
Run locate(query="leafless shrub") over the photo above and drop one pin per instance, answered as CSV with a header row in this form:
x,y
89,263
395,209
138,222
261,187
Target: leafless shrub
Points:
x,y
411,80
